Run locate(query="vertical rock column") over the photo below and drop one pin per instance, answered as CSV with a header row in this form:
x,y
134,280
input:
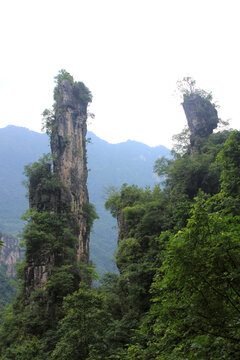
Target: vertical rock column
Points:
x,y
68,145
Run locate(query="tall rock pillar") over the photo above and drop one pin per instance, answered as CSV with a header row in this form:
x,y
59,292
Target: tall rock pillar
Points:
x,y
68,145
59,190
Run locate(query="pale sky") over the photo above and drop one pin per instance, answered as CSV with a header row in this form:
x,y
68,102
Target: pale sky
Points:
x,y
129,53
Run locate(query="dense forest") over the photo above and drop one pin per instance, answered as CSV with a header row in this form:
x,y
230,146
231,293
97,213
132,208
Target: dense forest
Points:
x,y
177,293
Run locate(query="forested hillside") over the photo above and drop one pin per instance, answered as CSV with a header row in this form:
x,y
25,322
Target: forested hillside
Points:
x,y
177,293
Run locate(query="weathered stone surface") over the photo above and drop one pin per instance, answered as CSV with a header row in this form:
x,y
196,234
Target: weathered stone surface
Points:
x,y
68,144
9,253
38,272
202,117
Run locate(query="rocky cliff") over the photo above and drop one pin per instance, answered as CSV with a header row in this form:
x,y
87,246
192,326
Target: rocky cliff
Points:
x,y
60,189
68,144
9,253
202,117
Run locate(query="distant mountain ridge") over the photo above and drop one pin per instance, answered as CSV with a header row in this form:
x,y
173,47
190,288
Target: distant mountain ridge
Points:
x,y
128,162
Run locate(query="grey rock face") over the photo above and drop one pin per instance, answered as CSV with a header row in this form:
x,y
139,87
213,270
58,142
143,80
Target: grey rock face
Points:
x,y
68,144
202,117
9,253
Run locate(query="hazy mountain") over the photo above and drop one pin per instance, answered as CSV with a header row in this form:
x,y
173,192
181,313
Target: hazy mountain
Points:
x,y
18,147
129,162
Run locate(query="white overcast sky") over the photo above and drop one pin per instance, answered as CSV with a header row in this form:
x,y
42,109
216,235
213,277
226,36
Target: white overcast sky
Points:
x,y
130,53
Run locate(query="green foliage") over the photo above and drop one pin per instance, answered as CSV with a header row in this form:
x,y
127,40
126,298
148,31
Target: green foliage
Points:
x,y
19,329
181,142
48,233
230,162
89,212
80,330
61,282
127,196
187,87
141,216
187,174
45,187
80,92
40,168
63,75
48,121
196,293
113,202
7,290
7,283
161,166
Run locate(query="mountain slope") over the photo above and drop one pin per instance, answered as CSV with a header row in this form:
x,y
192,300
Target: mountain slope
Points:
x,y
18,147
